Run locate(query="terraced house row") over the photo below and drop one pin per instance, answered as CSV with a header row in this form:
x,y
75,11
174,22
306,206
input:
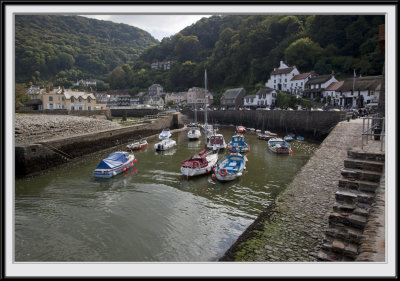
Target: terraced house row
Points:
x,y
352,92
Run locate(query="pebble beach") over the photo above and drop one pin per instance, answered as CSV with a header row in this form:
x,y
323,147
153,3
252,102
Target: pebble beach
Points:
x,y
31,128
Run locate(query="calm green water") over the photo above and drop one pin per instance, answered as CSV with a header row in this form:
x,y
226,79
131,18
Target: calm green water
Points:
x,y
151,212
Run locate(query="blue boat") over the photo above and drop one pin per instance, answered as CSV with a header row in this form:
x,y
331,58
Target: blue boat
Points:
x,y
300,138
238,144
230,168
279,146
288,138
114,164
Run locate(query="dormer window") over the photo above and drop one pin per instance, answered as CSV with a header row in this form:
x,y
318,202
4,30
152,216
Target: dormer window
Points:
x,y
80,99
72,99
88,99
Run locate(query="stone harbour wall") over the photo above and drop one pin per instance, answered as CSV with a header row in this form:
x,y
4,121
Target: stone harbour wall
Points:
x,y
293,228
42,154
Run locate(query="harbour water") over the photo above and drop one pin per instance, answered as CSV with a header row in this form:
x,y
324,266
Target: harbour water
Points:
x,y
150,213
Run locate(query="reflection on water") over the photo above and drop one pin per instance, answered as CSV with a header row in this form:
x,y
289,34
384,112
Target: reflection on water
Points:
x,y
150,212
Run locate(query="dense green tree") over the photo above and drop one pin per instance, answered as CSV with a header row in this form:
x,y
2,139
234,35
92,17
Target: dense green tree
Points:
x,y
303,53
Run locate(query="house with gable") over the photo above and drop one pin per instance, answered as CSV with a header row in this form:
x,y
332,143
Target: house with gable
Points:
x,y
360,91
298,82
280,77
331,94
155,90
233,98
263,98
197,96
316,85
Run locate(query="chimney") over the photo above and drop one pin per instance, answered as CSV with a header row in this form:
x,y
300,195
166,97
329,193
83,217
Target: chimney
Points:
x,y
47,89
90,90
62,89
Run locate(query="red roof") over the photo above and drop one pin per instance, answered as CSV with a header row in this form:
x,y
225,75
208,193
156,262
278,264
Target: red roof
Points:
x,y
301,76
334,86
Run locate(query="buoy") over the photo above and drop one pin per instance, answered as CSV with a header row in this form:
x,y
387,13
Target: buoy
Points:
x,y
131,164
124,169
291,152
134,160
248,149
214,176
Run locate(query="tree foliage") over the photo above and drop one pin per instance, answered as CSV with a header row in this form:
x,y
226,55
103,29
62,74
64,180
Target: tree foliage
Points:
x,y
236,50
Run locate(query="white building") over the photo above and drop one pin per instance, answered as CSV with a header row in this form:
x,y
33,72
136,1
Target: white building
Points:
x,y
331,94
366,91
316,85
263,98
280,78
298,82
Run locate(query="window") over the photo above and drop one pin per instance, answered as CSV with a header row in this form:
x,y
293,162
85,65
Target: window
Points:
x,y
80,99
50,98
88,99
285,80
72,100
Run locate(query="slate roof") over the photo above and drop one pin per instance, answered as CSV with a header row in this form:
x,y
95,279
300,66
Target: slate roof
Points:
x,y
319,79
264,91
233,93
76,95
282,71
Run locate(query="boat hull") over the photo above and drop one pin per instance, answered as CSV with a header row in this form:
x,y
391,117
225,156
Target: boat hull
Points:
x,y
162,146
108,173
192,172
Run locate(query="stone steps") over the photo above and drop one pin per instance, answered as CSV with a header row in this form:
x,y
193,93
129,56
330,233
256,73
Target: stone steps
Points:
x,y
378,157
362,175
354,198
366,165
339,248
364,186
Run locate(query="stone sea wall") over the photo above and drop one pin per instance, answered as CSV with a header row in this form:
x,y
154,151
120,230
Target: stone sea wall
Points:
x,y
54,148
293,228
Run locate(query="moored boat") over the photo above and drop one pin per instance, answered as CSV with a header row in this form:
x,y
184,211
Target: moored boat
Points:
x,y
288,138
164,145
165,134
241,130
199,164
194,133
230,168
114,164
279,146
238,144
140,144
300,138
216,142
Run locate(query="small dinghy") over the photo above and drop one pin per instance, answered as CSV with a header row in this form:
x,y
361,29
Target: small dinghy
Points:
x,y
279,146
137,145
164,145
230,168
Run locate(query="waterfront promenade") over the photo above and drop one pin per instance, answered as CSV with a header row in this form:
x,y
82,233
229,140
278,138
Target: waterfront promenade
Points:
x,y
293,228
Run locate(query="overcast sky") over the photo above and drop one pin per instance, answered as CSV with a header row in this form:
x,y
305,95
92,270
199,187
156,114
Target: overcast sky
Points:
x,y
159,26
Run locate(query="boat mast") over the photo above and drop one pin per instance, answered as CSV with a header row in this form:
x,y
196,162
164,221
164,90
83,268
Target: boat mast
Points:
x,y
205,109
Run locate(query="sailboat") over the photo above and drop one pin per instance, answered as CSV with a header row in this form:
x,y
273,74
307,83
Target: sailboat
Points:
x,y
194,133
203,162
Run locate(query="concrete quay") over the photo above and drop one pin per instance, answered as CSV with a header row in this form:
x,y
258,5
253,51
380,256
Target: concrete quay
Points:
x,y
293,229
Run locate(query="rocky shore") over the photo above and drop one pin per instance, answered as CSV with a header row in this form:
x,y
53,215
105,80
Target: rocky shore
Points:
x,y
30,128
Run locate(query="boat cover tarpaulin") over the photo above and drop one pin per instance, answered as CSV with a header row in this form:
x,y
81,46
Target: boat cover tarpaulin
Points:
x,y
113,160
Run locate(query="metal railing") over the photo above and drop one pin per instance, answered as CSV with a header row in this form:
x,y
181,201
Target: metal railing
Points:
x,y
373,127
